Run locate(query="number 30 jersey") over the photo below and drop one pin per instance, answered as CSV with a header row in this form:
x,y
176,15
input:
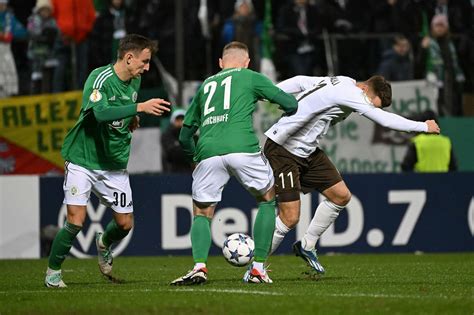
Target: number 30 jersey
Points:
x,y
223,108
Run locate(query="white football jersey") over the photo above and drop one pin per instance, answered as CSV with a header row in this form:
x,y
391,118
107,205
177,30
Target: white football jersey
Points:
x,y
323,102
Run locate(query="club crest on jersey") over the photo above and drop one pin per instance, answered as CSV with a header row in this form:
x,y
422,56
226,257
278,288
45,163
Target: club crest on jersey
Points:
x,y
95,96
116,124
134,97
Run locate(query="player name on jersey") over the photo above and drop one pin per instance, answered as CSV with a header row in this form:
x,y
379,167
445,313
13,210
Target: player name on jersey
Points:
x,y
215,119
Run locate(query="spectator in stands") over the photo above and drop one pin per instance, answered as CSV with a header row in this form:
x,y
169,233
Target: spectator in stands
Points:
x,y
244,27
297,25
460,15
43,31
349,17
172,157
10,28
108,29
397,62
442,67
428,153
386,16
75,19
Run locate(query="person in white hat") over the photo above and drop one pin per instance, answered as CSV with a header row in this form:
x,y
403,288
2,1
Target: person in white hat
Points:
x,y
43,32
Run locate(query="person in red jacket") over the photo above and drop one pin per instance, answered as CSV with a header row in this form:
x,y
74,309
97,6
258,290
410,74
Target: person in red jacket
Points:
x,y
75,20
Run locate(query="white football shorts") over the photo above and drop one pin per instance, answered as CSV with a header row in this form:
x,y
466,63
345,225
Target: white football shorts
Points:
x,y
111,187
252,170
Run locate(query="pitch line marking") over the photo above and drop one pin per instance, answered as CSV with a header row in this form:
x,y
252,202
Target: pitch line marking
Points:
x,y
239,291
203,290
234,291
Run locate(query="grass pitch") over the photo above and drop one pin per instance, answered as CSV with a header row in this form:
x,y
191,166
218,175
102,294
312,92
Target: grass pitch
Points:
x,y
353,284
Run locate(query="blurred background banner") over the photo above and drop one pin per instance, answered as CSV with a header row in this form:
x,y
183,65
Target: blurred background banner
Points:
x,y
388,213
32,130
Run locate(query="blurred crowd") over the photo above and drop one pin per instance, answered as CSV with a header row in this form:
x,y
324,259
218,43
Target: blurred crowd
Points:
x,y
51,45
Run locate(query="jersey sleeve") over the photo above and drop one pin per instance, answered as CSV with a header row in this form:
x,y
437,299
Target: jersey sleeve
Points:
x,y
263,86
95,98
93,94
265,89
193,114
298,84
351,96
394,121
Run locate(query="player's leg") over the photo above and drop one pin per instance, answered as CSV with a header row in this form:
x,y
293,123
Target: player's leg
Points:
x,y
263,229
77,187
322,175
337,197
201,239
209,179
286,169
255,174
114,191
201,243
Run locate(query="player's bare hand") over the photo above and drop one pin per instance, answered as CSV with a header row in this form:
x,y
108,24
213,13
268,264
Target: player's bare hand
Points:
x,y
433,127
154,106
134,124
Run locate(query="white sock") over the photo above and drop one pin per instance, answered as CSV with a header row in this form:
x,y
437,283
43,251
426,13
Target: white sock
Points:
x,y
101,243
326,214
198,266
279,234
50,271
259,266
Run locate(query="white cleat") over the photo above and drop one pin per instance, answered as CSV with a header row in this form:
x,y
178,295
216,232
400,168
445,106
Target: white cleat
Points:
x,y
195,276
104,256
253,275
54,279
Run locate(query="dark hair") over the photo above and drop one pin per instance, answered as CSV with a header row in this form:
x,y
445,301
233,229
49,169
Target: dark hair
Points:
x,y
381,88
235,45
135,43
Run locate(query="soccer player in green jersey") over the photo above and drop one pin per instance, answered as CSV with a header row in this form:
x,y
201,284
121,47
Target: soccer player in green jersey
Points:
x,y
222,111
96,151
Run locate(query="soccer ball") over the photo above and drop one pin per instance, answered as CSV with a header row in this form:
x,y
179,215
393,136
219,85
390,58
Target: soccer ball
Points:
x,y
238,249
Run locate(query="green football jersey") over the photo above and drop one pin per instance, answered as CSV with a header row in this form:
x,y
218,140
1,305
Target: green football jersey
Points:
x,y
102,145
223,108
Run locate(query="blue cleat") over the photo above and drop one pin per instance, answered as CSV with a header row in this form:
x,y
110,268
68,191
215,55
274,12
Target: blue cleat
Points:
x,y
309,256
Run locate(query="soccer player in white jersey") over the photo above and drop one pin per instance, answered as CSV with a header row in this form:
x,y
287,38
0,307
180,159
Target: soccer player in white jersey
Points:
x,y
299,165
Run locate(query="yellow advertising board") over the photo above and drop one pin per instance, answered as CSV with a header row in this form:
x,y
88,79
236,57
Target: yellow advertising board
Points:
x,y
35,126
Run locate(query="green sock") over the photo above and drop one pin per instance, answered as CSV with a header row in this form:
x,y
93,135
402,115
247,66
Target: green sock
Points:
x,y
201,238
263,229
62,244
113,234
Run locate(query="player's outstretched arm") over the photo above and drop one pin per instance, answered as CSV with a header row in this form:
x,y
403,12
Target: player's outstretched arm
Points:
x,y
394,121
432,127
154,106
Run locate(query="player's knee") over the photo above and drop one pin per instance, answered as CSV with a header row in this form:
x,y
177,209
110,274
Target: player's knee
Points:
x,y
290,218
343,198
125,224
